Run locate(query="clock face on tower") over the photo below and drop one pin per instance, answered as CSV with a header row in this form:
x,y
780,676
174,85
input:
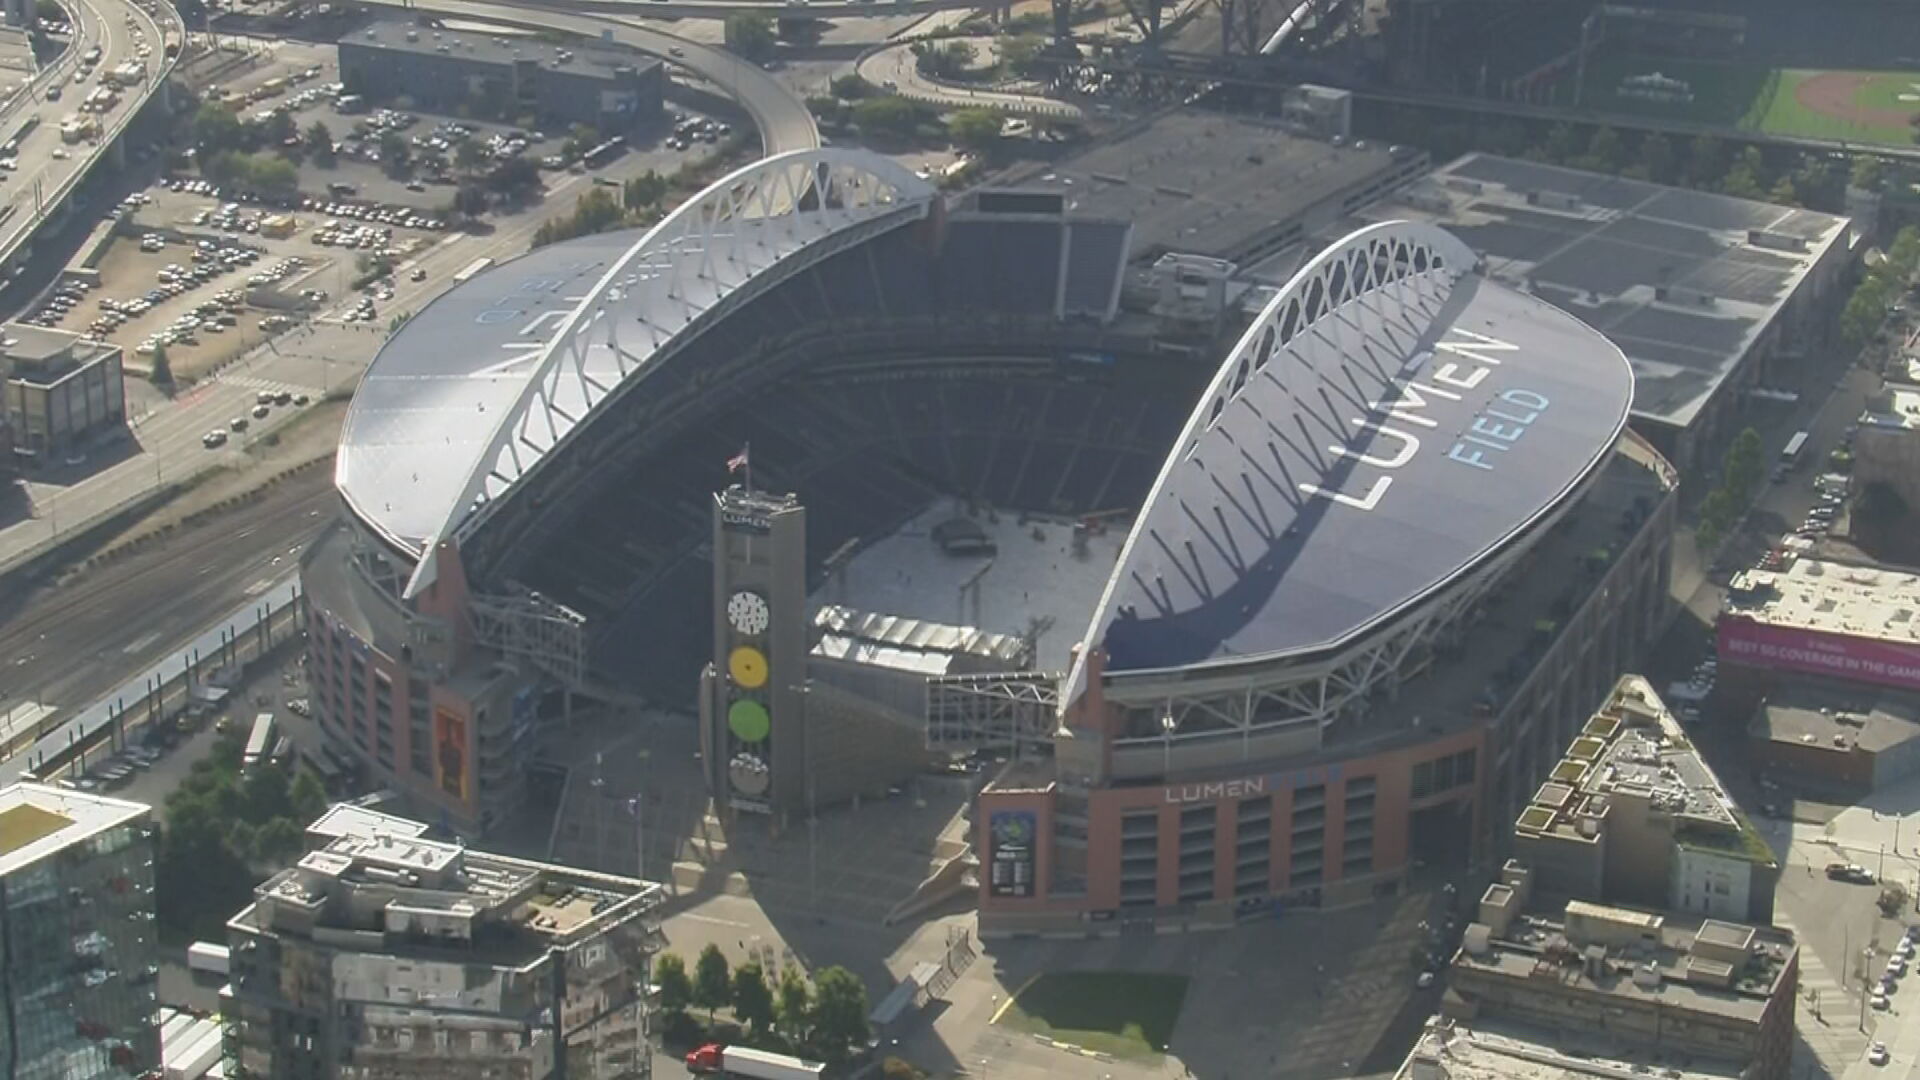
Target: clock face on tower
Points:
x,y
747,613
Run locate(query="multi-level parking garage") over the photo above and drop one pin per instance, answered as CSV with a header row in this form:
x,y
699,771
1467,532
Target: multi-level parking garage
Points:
x,y
1387,552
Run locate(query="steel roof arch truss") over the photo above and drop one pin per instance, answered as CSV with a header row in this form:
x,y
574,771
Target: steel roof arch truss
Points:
x,y
1324,694
1371,295
744,233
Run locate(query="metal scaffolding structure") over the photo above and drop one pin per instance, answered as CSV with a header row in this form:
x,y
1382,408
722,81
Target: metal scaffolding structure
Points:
x,y
1004,710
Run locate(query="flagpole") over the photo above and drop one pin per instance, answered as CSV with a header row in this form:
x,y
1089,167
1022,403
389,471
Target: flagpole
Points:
x,y
746,451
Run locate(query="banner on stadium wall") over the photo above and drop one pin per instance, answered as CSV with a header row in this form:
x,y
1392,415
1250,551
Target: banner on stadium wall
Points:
x,y
1010,871
1885,663
450,752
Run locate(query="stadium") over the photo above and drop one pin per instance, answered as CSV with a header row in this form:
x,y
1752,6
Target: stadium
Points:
x,y
1260,608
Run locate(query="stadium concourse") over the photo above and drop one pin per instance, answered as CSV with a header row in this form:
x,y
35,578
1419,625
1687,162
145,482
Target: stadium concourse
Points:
x,y
1006,492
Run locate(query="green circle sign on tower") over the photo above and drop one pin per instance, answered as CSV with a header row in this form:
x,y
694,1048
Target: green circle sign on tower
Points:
x,y
748,720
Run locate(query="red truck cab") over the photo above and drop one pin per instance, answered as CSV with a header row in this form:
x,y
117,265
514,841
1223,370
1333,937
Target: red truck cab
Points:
x,y
707,1058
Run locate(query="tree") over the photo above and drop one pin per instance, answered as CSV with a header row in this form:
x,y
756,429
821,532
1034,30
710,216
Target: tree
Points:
x,y
320,143
752,1001
277,840
198,881
1604,150
1867,172
793,1007
278,129
308,796
839,1015
1656,152
215,128
469,155
1020,54
646,190
1744,466
850,87
943,59
1559,144
162,368
1745,178
975,129
676,990
50,11
515,176
275,174
887,115
711,987
1784,192
750,33
1704,156
395,155
471,199
267,793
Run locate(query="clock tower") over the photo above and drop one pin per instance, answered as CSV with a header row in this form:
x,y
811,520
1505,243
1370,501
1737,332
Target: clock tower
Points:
x,y
753,731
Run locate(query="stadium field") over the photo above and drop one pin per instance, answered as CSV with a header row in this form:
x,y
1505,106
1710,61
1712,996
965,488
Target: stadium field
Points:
x,y
1853,106
1123,1013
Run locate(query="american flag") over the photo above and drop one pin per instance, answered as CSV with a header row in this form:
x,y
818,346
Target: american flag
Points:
x,y
738,461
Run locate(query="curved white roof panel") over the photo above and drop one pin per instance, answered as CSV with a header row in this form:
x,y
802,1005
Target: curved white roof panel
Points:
x,y
1391,419
477,389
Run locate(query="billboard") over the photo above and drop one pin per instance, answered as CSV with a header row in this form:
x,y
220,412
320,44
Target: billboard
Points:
x,y
1885,663
450,752
1011,873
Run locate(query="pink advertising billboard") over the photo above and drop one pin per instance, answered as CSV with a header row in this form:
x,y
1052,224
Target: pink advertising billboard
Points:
x,y
1883,662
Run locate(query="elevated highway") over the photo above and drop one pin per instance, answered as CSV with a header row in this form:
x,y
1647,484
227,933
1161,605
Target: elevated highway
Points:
x,y
777,111
47,172
811,9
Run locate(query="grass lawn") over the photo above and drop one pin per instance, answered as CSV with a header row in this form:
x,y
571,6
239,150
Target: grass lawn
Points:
x,y
1743,97
1123,1013
1784,115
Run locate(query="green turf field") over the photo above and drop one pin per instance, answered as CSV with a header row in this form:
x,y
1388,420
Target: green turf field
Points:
x,y
1123,1013
1881,90
1747,98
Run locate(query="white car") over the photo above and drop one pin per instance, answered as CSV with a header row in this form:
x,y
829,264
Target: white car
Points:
x,y
1877,1053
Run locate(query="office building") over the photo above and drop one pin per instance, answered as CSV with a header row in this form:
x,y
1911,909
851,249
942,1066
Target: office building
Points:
x,y
1632,814
1836,740
1886,448
1489,1050
383,955
77,934
1669,989
602,86
1844,625
61,392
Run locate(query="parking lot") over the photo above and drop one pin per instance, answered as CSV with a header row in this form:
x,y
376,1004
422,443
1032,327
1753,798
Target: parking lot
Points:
x,y
207,279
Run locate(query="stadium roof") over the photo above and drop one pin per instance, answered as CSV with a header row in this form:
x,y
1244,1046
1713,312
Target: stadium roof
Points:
x,y
477,389
1209,184
1605,249
1392,418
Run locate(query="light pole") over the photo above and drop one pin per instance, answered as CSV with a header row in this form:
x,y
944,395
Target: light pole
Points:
x,y
1167,724
640,813
805,689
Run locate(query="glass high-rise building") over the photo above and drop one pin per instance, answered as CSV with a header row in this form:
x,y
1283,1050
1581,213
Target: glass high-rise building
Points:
x,y
78,943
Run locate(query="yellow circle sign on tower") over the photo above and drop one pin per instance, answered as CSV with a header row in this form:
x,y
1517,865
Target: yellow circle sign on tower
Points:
x,y
748,666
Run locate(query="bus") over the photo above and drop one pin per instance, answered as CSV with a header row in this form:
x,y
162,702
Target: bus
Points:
x,y
259,742
605,152
1795,448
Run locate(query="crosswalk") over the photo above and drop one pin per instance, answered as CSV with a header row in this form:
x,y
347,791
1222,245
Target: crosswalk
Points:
x,y
276,386
1826,1016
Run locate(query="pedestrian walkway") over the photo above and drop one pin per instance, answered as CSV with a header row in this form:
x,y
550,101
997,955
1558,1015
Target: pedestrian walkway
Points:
x,y
1828,1017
